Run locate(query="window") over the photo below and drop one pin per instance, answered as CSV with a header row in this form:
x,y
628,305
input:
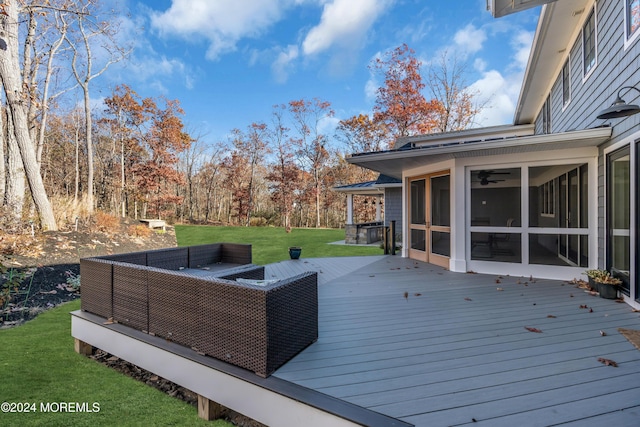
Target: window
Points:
x,y
548,198
589,43
632,18
566,83
546,116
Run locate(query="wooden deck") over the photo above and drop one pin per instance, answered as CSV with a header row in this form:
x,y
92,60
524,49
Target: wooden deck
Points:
x,y
435,348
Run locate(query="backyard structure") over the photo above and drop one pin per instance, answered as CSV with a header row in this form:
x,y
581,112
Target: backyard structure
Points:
x,y
402,342
553,193
366,230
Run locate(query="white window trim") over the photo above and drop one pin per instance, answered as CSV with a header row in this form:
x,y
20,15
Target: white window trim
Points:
x,y
628,41
568,64
585,77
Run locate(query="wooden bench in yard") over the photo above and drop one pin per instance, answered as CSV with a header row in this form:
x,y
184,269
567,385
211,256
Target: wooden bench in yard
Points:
x,y
155,223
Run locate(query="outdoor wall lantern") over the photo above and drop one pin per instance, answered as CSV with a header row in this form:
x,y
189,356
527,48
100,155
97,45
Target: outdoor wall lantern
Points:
x,y
619,108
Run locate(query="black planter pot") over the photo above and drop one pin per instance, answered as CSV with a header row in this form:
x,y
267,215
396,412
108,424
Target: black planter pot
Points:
x,y
608,291
594,285
294,252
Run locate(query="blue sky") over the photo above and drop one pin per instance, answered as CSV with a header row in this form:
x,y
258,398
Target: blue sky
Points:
x,y
229,61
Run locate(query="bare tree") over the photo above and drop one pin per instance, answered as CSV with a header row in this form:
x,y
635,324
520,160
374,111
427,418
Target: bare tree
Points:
x,y
82,64
15,95
447,85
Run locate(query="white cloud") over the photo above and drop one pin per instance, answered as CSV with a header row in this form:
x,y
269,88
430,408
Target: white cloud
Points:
x,y
470,39
344,23
497,95
522,44
222,24
282,66
500,90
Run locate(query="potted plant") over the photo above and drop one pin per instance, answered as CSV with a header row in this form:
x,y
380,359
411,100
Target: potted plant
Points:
x,y
603,282
608,286
596,274
295,251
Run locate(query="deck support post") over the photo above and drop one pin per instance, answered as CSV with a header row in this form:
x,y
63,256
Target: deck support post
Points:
x,y
82,347
208,409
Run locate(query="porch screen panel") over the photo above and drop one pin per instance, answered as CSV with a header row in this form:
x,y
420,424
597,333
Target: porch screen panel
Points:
x,y
418,214
496,207
558,201
496,196
418,204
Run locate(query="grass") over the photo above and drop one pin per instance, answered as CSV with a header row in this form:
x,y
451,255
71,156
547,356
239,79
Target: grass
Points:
x,y
270,244
38,362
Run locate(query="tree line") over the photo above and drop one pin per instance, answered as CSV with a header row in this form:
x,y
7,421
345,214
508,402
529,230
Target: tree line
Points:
x,y
135,157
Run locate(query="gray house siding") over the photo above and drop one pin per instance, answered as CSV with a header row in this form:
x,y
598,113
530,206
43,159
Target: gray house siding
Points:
x,y
393,209
616,67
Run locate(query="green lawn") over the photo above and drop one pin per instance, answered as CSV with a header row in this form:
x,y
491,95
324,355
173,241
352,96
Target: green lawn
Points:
x,y
271,244
39,365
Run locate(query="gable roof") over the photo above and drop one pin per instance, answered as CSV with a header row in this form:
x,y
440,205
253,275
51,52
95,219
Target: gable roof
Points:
x,y
559,24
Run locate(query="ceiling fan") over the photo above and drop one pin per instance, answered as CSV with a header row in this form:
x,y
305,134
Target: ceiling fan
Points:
x,y
484,175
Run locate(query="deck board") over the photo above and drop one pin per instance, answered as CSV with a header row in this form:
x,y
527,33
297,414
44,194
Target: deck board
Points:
x,y
455,348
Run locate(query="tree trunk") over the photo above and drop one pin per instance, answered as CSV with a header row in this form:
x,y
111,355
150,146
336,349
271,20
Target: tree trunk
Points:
x,y
10,75
88,125
3,169
16,180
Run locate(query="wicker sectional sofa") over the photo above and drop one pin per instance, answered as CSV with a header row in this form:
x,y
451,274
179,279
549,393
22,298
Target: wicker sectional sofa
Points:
x,y
189,295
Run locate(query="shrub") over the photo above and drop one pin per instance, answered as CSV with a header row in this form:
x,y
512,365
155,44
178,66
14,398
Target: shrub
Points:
x,y
139,230
105,222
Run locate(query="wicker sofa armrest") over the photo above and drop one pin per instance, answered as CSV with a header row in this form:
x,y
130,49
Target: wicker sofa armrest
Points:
x,y
249,271
96,279
169,258
258,327
131,295
201,255
138,258
236,253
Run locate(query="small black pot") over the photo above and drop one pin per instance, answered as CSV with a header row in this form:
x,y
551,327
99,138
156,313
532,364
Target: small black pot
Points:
x,y
294,252
608,291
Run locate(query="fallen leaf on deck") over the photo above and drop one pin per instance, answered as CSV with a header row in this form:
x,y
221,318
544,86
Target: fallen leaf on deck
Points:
x,y
417,295
607,362
406,296
497,280
530,329
468,299
471,272
584,306
603,333
499,289
551,316
109,321
591,310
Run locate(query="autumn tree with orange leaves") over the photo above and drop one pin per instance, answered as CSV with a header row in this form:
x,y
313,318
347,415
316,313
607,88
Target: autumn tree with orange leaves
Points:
x,y
400,103
157,176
